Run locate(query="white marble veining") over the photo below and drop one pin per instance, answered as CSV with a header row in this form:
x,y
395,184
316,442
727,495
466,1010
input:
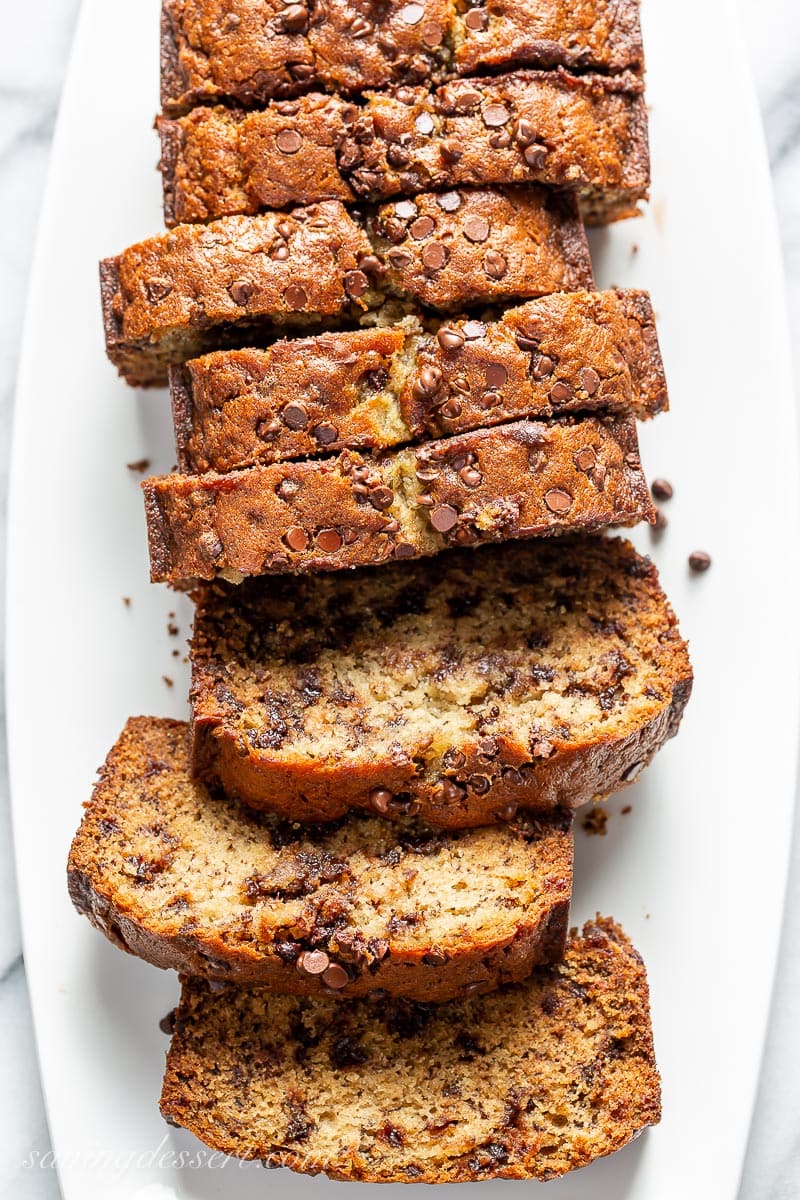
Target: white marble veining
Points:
x,y
33,57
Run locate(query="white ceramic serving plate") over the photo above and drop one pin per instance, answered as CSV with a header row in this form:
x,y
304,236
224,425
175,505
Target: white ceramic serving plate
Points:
x,y
696,870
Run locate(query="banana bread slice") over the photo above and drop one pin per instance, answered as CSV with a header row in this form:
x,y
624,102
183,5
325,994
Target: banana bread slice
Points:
x,y
531,1081
199,287
250,51
193,881
572,352
525,479
585,133
531,676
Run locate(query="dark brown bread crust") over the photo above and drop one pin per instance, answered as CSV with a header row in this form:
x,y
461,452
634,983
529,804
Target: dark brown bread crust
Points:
x,y
147,822
200,287
499,762
520,480
576,352
584,133
251,51
532,1081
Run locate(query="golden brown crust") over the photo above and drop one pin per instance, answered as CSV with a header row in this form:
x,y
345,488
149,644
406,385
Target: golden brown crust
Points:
x,y
520,480
529,1082
199,287
275,892
492,622
251,51
584,133
578,352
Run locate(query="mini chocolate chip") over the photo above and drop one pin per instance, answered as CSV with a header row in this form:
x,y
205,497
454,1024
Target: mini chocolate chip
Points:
x,y
302,72
451,791
399,259
360,27
412,14
467,99
662,489
500,139
585,459
295,415
381,497
508,811
405,209
167,1023
443,518
450,410
268,430
699,560
325,433
313,962
398,156
424,124
404,550
434,256
381,799
525,132
288,141
434,958
543,367
295,18
279,252
513,777
450,152
241,292
660,522
449,201
295,296
450,339
431,34
561,392
329,540
535,156
356,284
496,375
494,264
296,538
476,19
476,229
473,330
495,115
589,380
470,477
335,977
478,784
427,382
421,228
558,501
371,264
527,342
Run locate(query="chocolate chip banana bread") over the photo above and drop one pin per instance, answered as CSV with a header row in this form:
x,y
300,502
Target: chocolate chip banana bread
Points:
x,y
525,479
523,677
531,1081
585,133
250,51
193,881
376,388
199,287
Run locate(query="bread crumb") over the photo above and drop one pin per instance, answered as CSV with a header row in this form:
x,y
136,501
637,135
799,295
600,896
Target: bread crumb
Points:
x,y
169,682
172,629
140,466
596,820
126,600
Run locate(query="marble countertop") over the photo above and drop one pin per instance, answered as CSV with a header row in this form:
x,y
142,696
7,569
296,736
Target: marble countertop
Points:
x,y
33,57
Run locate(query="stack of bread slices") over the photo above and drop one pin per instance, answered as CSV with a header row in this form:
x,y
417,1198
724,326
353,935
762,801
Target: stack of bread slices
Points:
x,y
375,309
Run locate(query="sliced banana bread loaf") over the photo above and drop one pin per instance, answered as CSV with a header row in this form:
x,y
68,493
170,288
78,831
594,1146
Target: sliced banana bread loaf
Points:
x,y
199,287
375,388
528,676
193,881
252,50
525,479
532,1081
587,133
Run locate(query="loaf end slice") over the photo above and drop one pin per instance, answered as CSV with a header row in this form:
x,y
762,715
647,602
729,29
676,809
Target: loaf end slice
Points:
x,y
530,1082
524,677
193,881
